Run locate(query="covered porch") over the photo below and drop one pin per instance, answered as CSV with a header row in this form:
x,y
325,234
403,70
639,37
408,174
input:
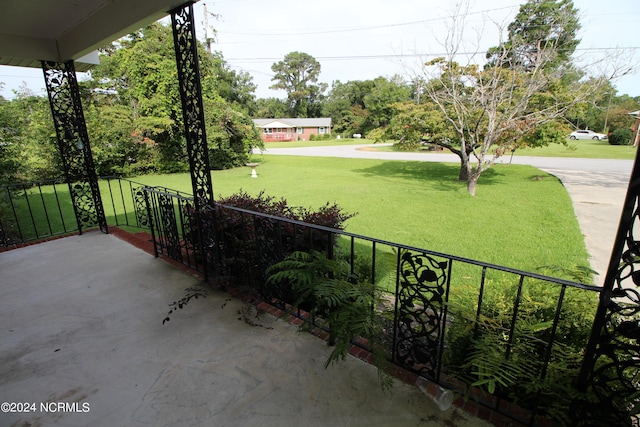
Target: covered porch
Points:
x,y
82,315
82,323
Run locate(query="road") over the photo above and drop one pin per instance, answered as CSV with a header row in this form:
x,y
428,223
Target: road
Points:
x,y
597,187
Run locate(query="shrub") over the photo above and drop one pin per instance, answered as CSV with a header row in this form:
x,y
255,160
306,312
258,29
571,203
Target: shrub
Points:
x,y
621,137
314,137
329,215
244,246
338,301
481,353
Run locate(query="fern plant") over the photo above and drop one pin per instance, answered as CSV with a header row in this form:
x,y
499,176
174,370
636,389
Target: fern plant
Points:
x,y
338,301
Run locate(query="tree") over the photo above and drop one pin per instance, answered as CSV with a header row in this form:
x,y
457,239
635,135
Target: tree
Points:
x,y
412,123
28,148
237,88
518,94
139,72
383,94
345,105
298,74
231,134
270,108
541,26
135,90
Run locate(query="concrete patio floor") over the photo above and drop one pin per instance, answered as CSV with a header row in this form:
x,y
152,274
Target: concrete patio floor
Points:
x,y
81,322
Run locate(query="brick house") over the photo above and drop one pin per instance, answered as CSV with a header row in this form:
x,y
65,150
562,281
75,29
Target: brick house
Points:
x,y
292,129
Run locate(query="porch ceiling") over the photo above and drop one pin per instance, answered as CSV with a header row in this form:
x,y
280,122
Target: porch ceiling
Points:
x,y
62,30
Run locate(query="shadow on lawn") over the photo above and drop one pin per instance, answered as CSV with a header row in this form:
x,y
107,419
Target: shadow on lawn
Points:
x,y
442,176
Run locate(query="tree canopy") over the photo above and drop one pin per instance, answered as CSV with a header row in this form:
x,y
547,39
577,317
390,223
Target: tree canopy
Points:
x,y
136,86
541,27
298,75
517,97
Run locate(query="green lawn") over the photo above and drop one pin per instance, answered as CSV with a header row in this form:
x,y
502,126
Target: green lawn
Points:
x,y
581,149
584,149
297,144
521,217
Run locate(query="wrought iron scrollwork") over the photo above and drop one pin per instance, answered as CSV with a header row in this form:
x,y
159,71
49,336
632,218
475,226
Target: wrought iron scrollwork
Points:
x,y
170,227
185,44
210,238
420,305
186,51
615,362
73,144
611,367
141,210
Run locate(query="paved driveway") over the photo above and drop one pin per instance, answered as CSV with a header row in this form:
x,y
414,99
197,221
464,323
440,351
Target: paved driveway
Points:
x,y
596,186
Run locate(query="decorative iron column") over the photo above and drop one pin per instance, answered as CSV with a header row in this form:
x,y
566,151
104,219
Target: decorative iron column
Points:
x,y
611,366
186,48
73,144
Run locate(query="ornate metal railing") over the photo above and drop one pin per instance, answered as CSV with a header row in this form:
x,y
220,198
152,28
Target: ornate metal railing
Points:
x,y
35,211
464,324
499,335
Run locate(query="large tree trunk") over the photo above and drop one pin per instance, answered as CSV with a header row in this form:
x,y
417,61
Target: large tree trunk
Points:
x,y
472,182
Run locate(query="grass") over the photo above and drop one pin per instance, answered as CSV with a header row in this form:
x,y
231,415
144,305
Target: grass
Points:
x,y
41,211
580,149
521,218
328,142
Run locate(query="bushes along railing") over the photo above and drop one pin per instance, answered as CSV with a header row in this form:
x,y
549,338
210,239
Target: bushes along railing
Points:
x,y
461,323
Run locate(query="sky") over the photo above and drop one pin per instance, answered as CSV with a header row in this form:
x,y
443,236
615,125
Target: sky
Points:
x,y
365,39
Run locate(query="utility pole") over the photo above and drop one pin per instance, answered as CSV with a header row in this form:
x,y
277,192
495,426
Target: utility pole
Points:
x,y
606,117
208,37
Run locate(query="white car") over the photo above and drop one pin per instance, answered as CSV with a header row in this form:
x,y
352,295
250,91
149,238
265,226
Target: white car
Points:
x,y
587,134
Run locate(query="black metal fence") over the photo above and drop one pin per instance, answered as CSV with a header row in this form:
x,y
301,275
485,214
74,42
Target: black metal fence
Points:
x,y
506,338
35,211
511,340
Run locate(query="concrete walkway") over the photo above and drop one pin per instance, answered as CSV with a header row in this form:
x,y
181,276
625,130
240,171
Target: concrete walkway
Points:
x,y
597,187
82,343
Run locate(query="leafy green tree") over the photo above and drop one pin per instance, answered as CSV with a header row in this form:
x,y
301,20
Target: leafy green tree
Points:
x,y
29,146
231,134
236,88
617,113
9,145
604,112
298,75
139,71
519,94
138,75
117,147
271,108
383,94
541,27
345,105
413,123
